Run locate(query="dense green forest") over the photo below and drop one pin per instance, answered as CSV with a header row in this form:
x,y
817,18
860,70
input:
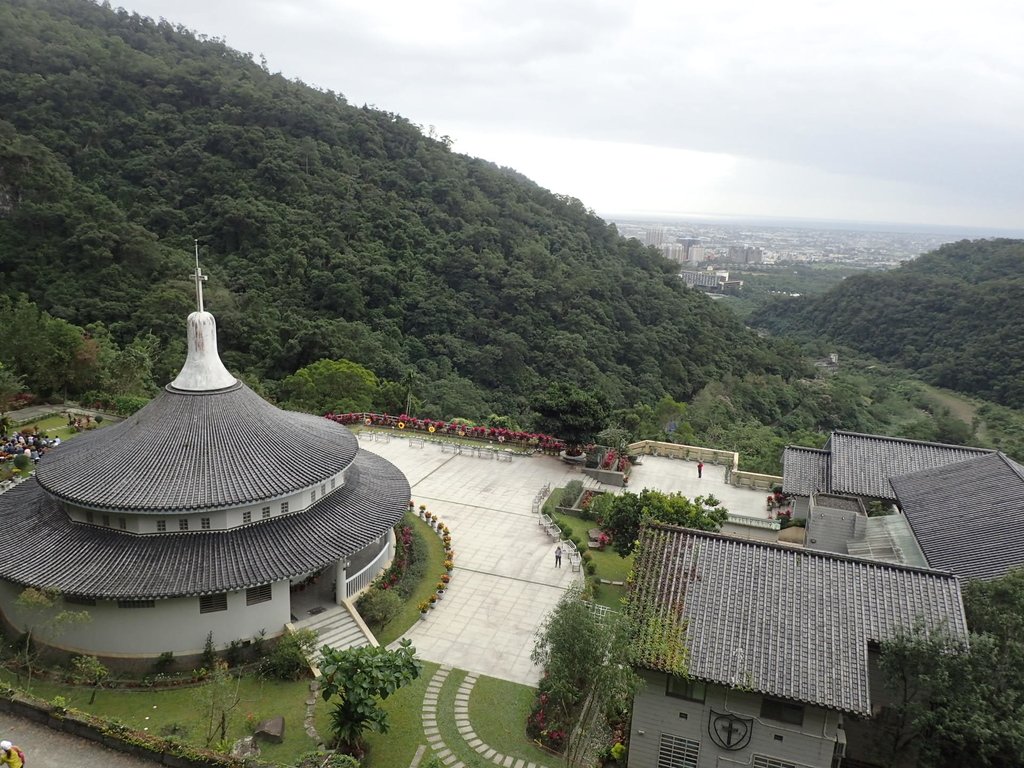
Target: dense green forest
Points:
x,y
329,231
356,261
955,316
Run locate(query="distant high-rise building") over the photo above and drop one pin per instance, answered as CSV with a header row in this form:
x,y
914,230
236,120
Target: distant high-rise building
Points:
x,y
745,254
695,253
655,237
674,251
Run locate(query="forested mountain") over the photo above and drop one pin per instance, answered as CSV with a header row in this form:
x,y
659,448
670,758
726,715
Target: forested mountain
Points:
x,y
955,316
329,231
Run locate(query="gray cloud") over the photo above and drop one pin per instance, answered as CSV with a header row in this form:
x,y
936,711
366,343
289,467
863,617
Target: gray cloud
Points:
x,y
925,95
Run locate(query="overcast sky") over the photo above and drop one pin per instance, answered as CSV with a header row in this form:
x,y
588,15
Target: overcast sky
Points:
x,y
873,110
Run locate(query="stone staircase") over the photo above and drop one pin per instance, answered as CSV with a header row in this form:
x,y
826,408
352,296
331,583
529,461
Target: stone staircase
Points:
x,y
339,627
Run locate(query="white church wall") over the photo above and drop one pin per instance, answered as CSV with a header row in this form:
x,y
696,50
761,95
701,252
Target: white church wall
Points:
x,y
174,624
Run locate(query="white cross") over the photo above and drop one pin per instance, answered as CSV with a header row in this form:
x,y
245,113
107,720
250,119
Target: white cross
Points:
x,y
199,278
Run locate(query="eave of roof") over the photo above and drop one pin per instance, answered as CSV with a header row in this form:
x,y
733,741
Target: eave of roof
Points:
x,y
82,560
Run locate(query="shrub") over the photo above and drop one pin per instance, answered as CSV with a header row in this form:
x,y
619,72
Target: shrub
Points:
x,y
209,656
164,662
289,658
233,654
572,491
566,529
378,606
22,462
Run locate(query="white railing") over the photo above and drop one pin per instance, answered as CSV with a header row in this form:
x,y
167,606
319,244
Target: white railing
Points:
x,y
359,581
752,522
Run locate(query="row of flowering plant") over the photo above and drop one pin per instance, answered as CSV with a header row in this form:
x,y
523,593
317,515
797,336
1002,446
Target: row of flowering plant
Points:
x,y
449,553
538,440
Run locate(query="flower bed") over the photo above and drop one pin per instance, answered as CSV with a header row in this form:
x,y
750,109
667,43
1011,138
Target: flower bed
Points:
x,y
534,440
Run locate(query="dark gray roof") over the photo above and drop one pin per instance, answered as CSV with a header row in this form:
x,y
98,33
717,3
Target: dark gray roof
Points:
x,y
198,451
863,464
779,620
805,471
47,549
968,517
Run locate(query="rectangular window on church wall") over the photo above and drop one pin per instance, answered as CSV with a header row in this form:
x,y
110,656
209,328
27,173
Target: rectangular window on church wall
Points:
x,y
284,508
122,523
312,496
323,489
334,483
213,603
105,520
136,604
204,523
260,594
183,524
75,600
89,516
161,526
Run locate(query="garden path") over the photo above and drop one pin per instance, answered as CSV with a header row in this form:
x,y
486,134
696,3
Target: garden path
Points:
x,y
46,748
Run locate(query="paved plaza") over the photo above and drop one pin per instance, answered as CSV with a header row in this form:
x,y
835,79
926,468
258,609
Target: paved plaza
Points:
x,y
505,581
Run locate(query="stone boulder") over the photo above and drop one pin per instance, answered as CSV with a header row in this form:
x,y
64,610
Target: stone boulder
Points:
x,y
271,730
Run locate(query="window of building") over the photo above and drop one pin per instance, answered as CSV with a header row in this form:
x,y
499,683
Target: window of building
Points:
x,y
122,523
323,489
105,521
183,524
683,688
247,516
136,604
782,711
677,752
89,517
334,483
76,600
284,507
161,526
266,512
763,761
213,603
204,523
260,594
312,496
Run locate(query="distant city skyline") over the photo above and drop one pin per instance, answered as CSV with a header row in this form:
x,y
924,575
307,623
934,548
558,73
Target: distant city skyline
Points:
x,y
863,112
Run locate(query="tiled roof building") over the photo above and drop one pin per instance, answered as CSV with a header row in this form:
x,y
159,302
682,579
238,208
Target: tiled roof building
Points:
x,y
758,654
200,513
960,508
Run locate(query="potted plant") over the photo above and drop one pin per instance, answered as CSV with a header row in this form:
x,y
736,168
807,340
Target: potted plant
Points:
x,y
441,587
448,565
432,601
424,607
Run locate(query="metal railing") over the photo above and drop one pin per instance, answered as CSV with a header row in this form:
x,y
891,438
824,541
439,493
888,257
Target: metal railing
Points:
x,y
361,580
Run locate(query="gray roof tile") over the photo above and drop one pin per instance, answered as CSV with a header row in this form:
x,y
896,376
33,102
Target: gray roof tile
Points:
x,y
805,470
98,562
863,464
784,621
203,450
967,517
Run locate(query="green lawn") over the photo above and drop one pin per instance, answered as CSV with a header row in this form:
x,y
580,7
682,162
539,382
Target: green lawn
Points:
x,y
179,711
498,711
404,707
410,612
57,426
609,564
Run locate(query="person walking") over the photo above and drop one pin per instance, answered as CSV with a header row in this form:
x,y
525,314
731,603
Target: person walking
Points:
x,y
700,469
558,556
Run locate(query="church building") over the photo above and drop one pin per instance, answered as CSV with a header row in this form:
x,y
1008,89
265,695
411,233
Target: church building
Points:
x,y
205,511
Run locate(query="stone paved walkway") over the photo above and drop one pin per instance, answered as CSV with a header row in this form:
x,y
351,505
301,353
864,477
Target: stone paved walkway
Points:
x,y
462,723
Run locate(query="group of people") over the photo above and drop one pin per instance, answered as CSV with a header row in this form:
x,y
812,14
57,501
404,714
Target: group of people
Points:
x,y
11,755
29,444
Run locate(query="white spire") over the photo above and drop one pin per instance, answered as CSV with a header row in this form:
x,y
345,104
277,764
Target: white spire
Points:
x,y
203,370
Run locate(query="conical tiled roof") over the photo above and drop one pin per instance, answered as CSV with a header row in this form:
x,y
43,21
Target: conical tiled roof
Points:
x,y
198,451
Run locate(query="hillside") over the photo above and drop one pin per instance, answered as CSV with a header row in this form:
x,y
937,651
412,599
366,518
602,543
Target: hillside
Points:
x,y
955,316
329,231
